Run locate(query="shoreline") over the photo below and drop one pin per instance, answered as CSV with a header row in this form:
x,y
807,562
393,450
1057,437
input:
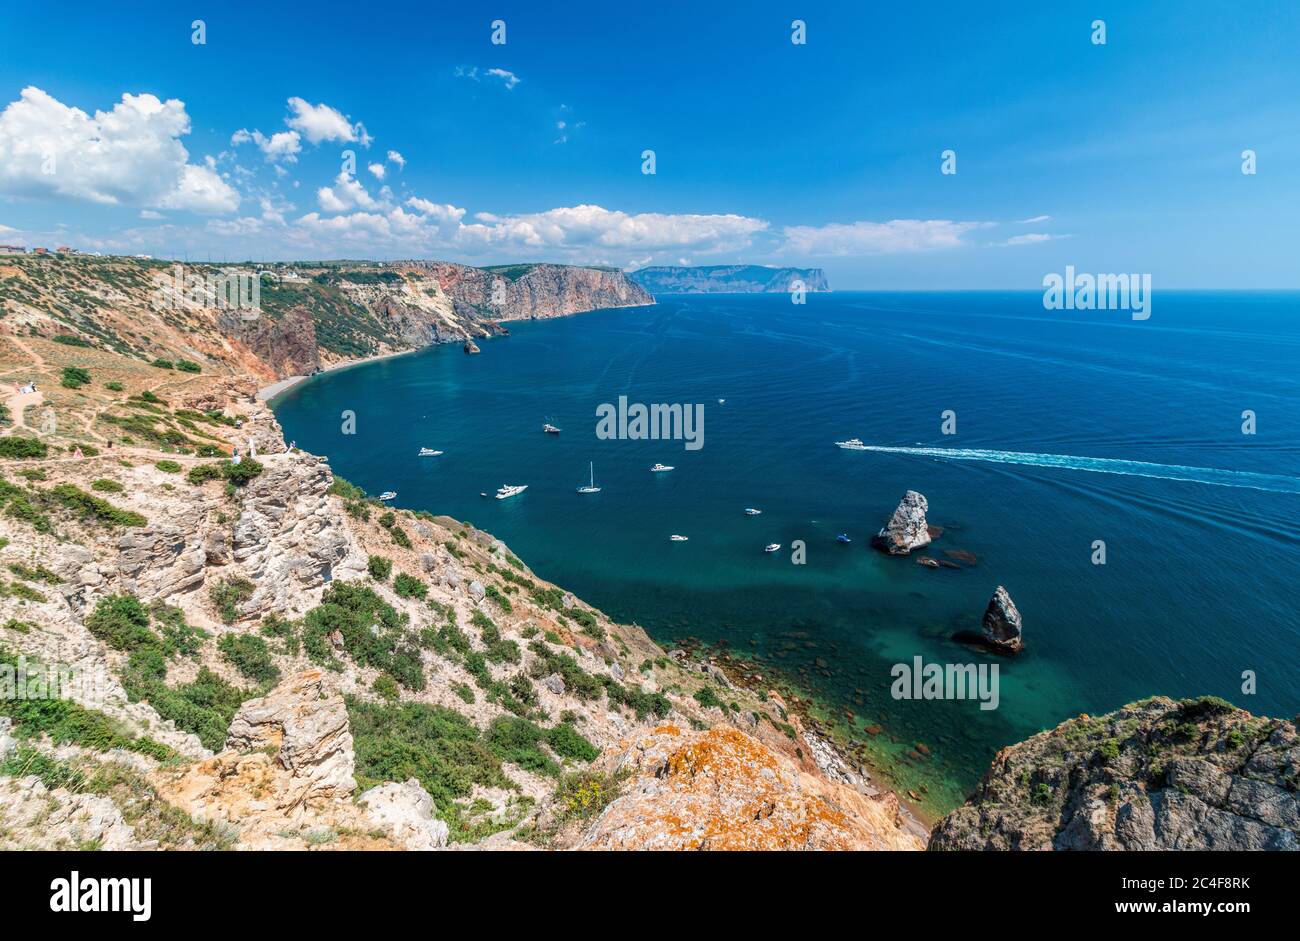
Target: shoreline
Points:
x,y
268,393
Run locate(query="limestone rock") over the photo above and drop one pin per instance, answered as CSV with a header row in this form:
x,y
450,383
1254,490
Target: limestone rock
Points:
x,y
476,590
7,742
1156,775
907,528
309,731
408,810
37,818
724,790
1001,626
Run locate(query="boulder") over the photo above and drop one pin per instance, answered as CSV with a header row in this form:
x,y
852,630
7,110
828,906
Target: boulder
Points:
x,y
7,742
1001,628
309,732
907,528
407,809
476,590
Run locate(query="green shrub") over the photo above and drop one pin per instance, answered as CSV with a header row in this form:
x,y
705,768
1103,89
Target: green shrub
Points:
x,y
185,365
168,467
162,363
201,473
103,485
353,610
248,654
516,740
203,707
566,742
38,574
707,698
89,507
228,594
379,568
74,377
121,622
16,447
114,386
408,586
386,688
241,473
463,691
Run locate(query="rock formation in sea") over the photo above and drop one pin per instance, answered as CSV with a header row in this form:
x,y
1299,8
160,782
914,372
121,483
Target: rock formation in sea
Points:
x,y
1001,627
747,279
1196,774
906,529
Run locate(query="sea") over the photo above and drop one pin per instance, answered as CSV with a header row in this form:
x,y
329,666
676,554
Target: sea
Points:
x,y
1134,484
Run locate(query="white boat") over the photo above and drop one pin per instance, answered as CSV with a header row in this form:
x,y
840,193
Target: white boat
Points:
x,y
388,495
676,538
591,487
853,444
660,468
772,547
550,429
750,511
722,401
509,490
429,452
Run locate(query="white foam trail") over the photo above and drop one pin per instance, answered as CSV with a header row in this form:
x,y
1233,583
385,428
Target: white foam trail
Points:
x,y
1275,483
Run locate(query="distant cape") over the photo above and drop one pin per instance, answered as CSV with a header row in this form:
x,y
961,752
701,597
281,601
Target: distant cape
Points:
x,y
716,279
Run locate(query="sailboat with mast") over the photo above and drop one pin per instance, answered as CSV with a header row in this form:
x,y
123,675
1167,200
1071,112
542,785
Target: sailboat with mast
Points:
x,y
591,487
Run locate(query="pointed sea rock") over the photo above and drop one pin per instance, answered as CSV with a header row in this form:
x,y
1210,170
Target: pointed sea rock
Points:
x,y
1001,627
906,529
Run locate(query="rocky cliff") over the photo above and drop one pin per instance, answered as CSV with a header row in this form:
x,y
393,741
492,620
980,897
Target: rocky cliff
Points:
x,y
1198,774
307,315
738,279
281,661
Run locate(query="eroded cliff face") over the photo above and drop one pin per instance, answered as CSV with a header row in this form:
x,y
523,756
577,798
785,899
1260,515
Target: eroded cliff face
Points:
x,y
1198,774
308,316
288,627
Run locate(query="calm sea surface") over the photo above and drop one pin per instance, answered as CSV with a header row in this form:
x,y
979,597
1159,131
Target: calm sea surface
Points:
x,y
1071,428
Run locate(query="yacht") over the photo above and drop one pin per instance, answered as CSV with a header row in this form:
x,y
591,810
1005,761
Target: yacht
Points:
x,y
853,444
429,452
388,495
661,468
591,487
750,511
509,490
676,538
550,429
843,537
772,547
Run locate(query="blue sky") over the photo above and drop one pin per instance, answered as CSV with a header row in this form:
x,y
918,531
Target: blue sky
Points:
x,y
1126,156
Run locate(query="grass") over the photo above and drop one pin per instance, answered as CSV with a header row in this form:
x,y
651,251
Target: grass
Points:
x,y
88,507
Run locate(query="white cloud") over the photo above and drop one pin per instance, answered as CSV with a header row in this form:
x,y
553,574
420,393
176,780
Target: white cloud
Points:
x,y
395,157
131,155
878,238
509,79
151,215
346,193
1029,238
1033,219
283,145
378,170
322,123
441,213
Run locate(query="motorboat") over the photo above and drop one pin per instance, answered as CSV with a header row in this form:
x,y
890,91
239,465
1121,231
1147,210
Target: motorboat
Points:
x,y
661,468
853,444
429,452
772,547
676,538
750,511
388,495
510,490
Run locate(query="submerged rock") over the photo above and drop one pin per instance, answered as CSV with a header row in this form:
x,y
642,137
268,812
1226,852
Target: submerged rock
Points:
x,y
907,528
1001,626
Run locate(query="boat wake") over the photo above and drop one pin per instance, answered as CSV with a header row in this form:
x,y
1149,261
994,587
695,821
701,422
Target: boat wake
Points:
x,y
1275,483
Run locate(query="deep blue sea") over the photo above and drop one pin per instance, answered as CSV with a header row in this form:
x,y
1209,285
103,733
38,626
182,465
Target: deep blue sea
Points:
x,y
1200,521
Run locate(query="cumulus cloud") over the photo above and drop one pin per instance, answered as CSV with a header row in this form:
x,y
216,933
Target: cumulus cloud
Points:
x,y
378,169
346,193
322,123
507,78
395,157
283,145
878,238
131,155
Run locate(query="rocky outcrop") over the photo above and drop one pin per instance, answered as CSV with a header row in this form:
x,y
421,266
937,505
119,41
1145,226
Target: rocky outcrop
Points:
x,y
408,810
288,345
1198,774
519,292
35,817
721,789
907,528
1001,627
309,733
747,279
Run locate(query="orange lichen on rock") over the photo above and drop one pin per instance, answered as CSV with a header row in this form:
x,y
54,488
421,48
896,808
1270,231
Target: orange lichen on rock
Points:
x,y
724,790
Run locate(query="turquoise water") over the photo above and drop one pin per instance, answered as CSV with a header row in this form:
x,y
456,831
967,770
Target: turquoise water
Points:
x,y
1070,429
